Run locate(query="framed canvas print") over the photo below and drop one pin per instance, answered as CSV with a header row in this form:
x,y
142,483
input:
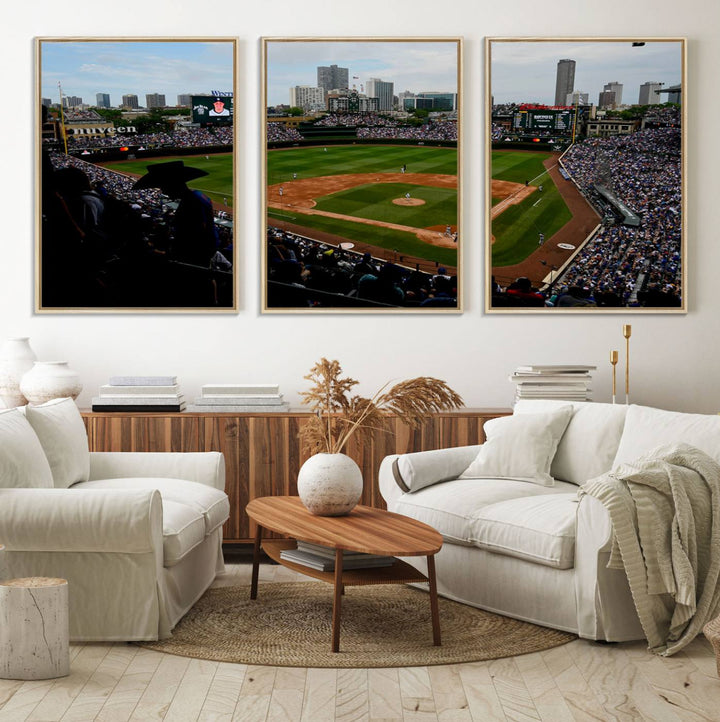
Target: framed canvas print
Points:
x,y
361,175
136,168
585,191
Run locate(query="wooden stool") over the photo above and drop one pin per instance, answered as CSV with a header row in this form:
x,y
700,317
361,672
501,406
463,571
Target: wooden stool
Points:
x,y
34,628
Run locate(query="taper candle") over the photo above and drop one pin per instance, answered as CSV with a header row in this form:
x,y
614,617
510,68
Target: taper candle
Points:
x,y
627,331
613,361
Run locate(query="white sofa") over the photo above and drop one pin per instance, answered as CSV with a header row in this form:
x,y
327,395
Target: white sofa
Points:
x,y
138,536
532,551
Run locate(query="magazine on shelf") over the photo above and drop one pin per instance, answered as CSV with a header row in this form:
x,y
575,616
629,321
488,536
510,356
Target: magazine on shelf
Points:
x,y
240,389
323,564
329,552
143,380
109,390
240,399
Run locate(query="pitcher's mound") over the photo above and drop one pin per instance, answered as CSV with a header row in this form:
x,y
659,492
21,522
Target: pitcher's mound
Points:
x,y
408,202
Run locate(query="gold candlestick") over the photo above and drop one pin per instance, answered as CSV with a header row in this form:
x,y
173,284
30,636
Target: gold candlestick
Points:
x,y
613,361
627,331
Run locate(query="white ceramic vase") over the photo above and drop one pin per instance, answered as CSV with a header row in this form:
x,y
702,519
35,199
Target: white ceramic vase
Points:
x,y
330,484
49,380
16,358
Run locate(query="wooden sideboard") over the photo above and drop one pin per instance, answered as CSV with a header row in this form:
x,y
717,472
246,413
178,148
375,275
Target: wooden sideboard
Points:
x,y
262,452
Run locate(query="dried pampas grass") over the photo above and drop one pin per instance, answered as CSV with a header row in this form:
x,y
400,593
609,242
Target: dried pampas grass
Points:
x,y
339,415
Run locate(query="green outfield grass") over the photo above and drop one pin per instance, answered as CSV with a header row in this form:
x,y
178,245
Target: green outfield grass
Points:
x,y
375,201
517,229
217,185
314,161
517,166
406,244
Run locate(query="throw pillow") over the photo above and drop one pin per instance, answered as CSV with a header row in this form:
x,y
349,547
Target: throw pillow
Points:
x,y
22,460
61,431
520,447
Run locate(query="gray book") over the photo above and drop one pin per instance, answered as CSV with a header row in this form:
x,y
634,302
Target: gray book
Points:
x,y
239,409
109,390
235,389
240,399
143,380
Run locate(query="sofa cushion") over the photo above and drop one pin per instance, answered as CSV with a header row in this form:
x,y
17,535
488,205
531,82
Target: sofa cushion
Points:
x,y
647,428
183,530
62,434
540,529
591,439
520,447
419,469
23,463
212,504
454,508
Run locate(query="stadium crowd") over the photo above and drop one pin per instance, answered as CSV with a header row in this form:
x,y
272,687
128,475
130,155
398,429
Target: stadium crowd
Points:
x,y
645,175
279,132
179,138
351,120
105,243
303,272
432,130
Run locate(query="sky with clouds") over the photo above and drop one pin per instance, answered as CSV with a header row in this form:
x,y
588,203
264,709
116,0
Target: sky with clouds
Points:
x,y
135,67
411,65
526,71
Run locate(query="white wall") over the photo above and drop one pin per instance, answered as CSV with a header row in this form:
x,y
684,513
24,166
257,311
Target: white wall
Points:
x,y
674,356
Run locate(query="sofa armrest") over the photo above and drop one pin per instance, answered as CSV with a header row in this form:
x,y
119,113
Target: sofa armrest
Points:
x,y
79,520
205,467
403,473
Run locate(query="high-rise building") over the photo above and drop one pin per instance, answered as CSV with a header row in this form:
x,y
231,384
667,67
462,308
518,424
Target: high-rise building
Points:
x,y
382,90
330,77
154,100
577,97
564,80
102,100
614,87
649,93
47,102
607,100
307,97
184,100
130,101
72,101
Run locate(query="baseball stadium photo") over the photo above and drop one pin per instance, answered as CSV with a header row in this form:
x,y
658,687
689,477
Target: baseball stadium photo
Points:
x,y
361,175
137,173
585,161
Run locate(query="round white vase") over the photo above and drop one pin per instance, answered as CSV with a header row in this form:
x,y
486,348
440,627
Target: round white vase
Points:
x,y
330,484
16,358
49,380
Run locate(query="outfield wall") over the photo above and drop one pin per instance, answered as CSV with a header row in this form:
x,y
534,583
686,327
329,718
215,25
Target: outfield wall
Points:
x,y
354,140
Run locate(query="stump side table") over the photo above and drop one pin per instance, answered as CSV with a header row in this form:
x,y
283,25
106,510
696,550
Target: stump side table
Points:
x,y
34,628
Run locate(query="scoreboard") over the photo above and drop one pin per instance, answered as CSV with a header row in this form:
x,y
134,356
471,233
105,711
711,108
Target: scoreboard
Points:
x,y
550,120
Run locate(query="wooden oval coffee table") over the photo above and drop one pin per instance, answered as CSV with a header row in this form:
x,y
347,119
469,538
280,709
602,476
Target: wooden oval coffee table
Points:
x,y
364,529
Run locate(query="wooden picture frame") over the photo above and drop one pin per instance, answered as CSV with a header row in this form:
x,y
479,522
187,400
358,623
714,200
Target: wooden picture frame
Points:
x,y
113,111
361,175
585,175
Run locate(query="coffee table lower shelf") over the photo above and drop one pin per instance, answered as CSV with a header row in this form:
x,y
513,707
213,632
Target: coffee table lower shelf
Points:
x,y
399,572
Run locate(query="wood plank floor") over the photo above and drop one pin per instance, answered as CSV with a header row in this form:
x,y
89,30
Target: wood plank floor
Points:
x,y
580,681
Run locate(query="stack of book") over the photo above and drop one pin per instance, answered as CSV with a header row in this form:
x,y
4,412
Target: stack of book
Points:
x,y
564,382
240,398
140,393
322,558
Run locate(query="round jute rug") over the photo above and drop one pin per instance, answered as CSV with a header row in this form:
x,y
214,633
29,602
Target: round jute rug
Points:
x,y
289,625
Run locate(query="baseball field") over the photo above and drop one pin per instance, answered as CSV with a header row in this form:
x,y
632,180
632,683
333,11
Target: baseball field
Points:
x,y
399,198
525,203
217,185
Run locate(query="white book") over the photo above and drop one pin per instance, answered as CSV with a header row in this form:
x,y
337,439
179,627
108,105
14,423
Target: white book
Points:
x,y
143,380
242,399
138,400
240,409
551,379
139,390
554,368
235,389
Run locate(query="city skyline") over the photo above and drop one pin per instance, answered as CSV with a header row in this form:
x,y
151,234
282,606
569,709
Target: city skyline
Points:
x,y
525,71
143,67
411,65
